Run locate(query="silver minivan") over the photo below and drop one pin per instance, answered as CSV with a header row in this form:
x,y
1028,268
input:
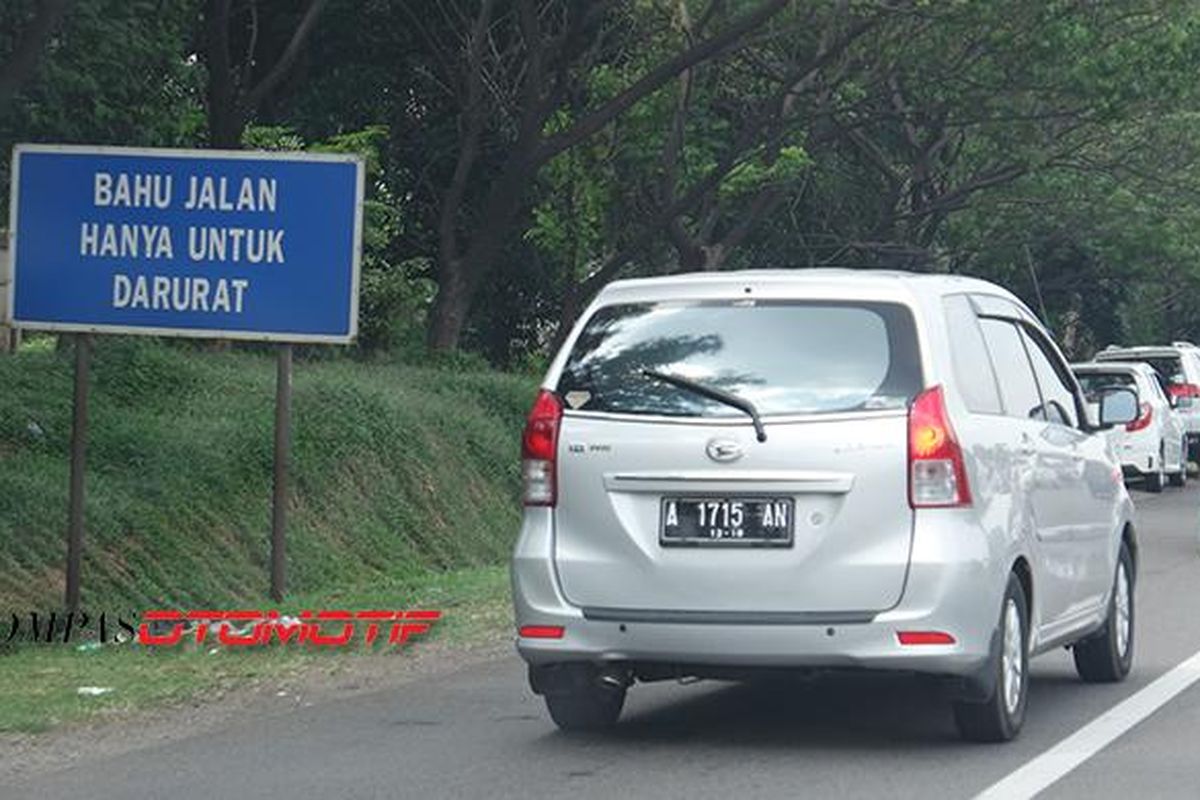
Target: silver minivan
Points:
x,y
732,473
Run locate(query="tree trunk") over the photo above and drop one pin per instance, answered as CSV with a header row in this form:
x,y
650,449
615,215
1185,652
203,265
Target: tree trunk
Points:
x,y
460,276
448,316
224,128
224,120
568,314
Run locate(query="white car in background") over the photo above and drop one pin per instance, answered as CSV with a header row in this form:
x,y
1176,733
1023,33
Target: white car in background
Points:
x,y
1153,446
1179,366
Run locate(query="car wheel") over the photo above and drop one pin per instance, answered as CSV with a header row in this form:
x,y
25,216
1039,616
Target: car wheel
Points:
x,y
586,708
1155,481
1180,478
999,718
1107,656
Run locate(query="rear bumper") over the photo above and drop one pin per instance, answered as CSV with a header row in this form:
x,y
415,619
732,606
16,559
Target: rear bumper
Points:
x,y
1139,455
953,586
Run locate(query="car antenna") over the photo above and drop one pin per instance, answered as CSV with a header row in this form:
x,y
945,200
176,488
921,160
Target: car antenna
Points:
x,y
1037,289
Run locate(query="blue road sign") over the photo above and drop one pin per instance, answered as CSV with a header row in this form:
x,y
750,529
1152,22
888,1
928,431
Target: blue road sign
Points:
x,y
235,245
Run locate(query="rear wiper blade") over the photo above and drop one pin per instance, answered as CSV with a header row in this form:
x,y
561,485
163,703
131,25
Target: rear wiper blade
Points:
x,y
721,396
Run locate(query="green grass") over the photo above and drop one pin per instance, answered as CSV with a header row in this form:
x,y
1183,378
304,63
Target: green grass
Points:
x,y
397,471
405,485
41,690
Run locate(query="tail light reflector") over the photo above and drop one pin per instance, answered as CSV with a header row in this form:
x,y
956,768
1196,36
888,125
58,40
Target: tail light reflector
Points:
x,y
542,631
1146,413
937,474
1183,390
539,450
924,637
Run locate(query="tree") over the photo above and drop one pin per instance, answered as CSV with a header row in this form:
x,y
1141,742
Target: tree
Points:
x,y
507,77
270,39
699,164
970,97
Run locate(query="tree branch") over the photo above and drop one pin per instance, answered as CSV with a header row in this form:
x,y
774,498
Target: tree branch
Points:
x,y
281,68
469,145
553,145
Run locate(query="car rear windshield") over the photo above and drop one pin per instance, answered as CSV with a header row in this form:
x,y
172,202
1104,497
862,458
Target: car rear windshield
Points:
x,y
788,357
1169,367
1093,383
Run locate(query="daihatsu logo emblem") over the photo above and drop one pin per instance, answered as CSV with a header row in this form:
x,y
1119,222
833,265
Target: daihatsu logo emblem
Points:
x,y
724,450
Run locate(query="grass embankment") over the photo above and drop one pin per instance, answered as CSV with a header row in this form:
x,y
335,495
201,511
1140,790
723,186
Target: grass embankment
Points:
x,y
405,484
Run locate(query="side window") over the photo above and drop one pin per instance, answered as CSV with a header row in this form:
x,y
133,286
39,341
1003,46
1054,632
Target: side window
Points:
x,y
1195,359
1018,388
972,365
1157,390
1058,394
1159,383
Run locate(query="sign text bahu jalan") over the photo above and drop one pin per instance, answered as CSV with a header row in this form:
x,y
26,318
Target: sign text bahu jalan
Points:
x,y
204,242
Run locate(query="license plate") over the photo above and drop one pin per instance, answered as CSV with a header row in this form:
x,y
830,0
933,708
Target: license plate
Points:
x,y
746,521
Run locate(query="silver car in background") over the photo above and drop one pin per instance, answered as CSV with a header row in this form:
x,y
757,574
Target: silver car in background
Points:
x,y
1154,446
738,472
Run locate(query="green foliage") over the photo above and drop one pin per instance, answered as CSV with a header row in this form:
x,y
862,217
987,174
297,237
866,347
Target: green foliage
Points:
x,y
392,294
751,176
569,224
118,72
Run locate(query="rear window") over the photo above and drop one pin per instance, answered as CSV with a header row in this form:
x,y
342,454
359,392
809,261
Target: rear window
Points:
x,y
1093,383
785,357
1169,367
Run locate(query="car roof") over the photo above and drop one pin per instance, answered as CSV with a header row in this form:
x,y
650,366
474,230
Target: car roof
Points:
x,y
1159,350
1113,366
781,280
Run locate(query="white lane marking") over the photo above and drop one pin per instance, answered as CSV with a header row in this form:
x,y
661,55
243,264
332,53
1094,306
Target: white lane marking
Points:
x,y
1042,771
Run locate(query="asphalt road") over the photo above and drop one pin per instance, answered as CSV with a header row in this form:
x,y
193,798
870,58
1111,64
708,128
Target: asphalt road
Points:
x,y
481,733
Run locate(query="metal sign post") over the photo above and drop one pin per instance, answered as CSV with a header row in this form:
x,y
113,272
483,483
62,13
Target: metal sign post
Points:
x,y
283,441
10,339
83,358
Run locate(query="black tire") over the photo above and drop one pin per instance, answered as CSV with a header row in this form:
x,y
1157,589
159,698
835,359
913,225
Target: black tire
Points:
x,y
1101,658
1155,481
999,718
590,708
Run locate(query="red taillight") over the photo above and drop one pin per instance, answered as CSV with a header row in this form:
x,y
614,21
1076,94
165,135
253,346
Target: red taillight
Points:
x,y
541,631
924,637
937,474
1183,390
539,450
1143,419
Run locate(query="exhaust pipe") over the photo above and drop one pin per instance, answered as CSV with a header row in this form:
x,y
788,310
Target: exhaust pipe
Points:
x,y
613,677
